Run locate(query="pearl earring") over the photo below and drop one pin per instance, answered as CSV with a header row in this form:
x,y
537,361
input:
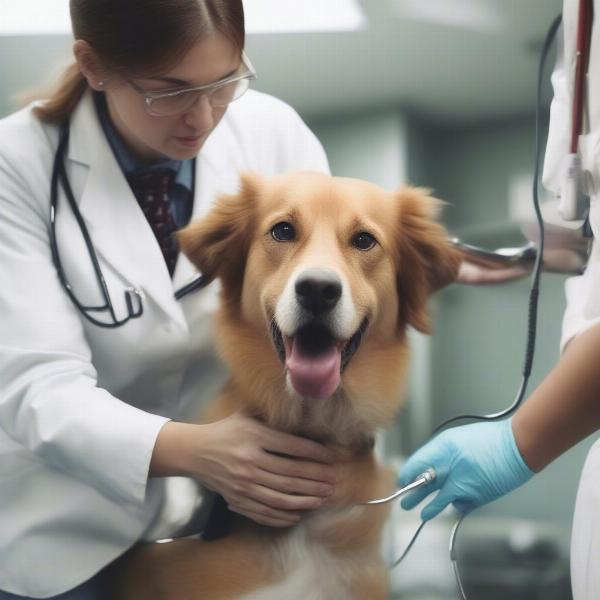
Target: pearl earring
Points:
x,y
101,83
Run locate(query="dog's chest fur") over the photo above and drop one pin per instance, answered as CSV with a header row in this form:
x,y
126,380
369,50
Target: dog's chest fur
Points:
x,y
314,571
324,556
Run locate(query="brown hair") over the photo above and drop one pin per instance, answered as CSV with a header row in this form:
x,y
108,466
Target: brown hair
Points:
x,y
139,37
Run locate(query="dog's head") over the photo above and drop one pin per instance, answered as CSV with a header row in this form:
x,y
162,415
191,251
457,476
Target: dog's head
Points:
x,y
320,278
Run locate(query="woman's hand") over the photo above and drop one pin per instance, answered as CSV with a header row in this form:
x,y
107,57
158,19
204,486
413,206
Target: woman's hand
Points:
x,y
265,475
474,465
478,274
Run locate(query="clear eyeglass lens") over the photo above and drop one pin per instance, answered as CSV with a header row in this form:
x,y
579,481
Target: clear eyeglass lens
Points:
x,y
221,96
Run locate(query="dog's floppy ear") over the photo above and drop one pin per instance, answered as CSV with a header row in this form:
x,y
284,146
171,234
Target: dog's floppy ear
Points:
x,y
218,243
426,261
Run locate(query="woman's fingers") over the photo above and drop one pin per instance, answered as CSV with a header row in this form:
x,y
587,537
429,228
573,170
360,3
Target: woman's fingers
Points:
x,y
297,469
471,273
437,505
282,501
294,485
259,470
299,447
416,497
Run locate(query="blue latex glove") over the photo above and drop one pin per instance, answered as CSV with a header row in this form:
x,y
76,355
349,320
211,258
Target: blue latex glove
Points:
x,y
474,465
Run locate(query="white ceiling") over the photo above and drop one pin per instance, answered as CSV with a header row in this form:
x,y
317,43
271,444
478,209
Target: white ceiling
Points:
x,y
446,71
470,68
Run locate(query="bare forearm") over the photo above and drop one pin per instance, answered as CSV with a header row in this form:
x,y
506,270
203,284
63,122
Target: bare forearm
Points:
x,y
171,453
565,408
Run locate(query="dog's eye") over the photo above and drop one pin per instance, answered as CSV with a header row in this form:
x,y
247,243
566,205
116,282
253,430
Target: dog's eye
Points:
x,y
283,232
363,241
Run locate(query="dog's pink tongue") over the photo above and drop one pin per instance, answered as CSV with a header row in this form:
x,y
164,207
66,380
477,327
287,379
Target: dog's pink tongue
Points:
x,y
314,376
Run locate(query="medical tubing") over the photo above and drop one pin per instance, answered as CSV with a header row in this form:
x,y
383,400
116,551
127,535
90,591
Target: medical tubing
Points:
x,y
535,280
84,232
59,175
53,209
424,478
454,557
410,545
198,283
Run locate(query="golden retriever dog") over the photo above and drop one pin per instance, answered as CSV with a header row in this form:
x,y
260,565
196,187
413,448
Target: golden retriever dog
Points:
x,y
321,277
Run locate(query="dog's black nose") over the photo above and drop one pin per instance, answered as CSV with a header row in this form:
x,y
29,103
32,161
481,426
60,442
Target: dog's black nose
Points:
x,y
318,290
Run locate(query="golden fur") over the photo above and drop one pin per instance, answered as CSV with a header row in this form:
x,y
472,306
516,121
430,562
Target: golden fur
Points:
x,y
334,551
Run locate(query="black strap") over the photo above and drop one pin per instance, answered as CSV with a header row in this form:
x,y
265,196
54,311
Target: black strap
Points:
x,y
586,228
219,520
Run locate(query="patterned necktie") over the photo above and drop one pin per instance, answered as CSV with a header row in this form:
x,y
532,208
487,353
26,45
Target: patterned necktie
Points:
x,y
151,188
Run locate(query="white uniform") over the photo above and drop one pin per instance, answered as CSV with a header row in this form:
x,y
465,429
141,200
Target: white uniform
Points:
x,y
583,292
80,405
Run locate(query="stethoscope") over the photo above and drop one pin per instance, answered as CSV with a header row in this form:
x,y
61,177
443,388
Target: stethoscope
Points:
x,y
133,295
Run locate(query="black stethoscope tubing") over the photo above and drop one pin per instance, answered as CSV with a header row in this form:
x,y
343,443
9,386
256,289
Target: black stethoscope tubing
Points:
x,y
133,296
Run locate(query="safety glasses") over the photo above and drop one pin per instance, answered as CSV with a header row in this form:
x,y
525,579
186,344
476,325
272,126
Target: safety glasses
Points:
x,y
219,93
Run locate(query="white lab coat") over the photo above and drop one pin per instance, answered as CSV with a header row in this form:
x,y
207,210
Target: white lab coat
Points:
x,y
582,292
81,406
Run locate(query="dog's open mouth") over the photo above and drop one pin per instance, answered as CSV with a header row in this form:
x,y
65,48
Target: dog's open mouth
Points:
x,y
314,358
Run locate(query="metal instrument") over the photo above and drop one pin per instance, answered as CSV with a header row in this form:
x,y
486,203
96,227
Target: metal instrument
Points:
x,y
423,479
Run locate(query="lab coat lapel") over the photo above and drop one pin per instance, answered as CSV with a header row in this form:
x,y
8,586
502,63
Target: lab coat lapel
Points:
x,y
213,177
118,228
185,271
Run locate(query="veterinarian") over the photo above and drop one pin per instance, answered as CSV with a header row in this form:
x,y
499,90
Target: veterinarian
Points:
x,y
154,123
480,462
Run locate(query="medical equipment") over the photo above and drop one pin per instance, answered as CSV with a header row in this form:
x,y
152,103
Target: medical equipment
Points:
x,y
502,257
567,252
574,203
423,479
133,295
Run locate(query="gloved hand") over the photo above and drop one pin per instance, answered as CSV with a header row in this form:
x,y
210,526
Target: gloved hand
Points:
x,y
474,465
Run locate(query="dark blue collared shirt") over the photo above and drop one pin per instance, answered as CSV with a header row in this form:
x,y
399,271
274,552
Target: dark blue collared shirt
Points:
x,y
181,197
